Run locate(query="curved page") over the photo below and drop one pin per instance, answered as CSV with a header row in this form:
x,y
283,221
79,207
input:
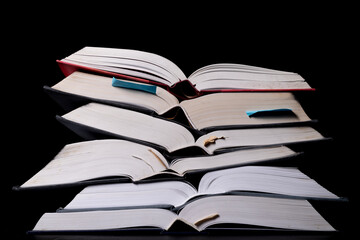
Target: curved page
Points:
x,y
258,211
218,140
235,158
174,193
105,220
229,109
132,124
132,60
100,87
238,76
97,159
278,180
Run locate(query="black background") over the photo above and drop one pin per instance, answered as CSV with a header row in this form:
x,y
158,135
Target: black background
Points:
x,y
318,42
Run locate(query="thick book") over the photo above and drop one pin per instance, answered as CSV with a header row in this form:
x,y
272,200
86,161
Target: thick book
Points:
x,y
151,68
94,120
212,111
110,160
285,182
202,214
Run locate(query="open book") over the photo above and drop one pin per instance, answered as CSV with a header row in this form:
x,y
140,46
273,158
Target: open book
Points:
x,y
151,68
91,162
200,214
218,110
284,181
95,120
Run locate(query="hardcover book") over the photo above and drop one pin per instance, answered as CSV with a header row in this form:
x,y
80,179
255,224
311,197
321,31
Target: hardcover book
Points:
x,y
151,68
107,160
212,111
267,213
95,120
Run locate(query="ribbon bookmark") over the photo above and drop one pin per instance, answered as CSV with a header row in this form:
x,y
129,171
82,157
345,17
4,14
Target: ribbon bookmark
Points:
x,y
135,86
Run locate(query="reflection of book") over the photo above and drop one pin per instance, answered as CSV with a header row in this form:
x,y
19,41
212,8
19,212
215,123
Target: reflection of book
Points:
x,y
218,110
200,214
96,120
151,68
97,161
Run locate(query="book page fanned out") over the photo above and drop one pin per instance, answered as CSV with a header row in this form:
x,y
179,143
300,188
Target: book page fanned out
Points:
x,y
132,124
85,161
173,136
265,180
149,66
101,88
230,109
202,213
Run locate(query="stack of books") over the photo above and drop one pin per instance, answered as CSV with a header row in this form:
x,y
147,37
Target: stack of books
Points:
x,y
164,152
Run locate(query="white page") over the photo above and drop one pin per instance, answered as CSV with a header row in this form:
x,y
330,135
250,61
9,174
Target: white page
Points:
x,y
106,220
123,71
237,67
122,63
242,72
246,156
246,76
278,180
132,124
258,211
224,83
134,54
274,180
173,193
100,87
258,137
99,158
224,109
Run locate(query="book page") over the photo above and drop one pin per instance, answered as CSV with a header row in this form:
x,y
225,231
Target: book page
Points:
x,y
278,180
124,71
132,60
259,211
100,87
275,180
106,220
97,159
230,159
229,109
123,63
168,193
134,125
219,140
236,67
221,83
226,71
239,76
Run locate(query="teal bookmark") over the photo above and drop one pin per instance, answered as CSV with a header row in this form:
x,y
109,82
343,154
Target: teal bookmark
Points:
x,y
258,112
134,86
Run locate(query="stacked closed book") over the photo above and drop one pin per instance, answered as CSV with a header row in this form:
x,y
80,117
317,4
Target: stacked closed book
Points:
x,y
163,152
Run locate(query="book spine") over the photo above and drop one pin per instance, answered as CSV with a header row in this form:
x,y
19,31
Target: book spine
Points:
x,y
184,90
